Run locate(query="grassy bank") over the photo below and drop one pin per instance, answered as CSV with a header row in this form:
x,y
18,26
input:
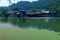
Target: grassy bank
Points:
x,y
28,34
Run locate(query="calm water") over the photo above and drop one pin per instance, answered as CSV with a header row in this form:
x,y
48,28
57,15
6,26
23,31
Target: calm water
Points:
x,y
50,23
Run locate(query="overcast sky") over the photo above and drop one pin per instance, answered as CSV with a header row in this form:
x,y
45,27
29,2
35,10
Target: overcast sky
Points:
x,y
6,3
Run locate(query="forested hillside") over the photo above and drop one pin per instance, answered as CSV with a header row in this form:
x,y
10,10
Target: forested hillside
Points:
x,y
41,4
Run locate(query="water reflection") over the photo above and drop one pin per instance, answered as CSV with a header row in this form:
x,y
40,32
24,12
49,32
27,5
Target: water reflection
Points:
x,y
51,23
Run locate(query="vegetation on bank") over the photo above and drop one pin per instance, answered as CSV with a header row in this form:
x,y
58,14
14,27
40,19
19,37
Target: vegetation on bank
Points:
x,y
51,6
28,34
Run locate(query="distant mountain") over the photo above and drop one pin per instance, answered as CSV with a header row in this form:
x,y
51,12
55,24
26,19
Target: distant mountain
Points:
x,y
41,4
50,3
47,4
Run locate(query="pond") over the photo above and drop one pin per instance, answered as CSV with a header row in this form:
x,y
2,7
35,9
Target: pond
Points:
x,y
51,23
36,26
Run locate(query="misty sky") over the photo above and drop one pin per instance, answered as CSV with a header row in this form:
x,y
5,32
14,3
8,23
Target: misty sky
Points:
x,y
6,3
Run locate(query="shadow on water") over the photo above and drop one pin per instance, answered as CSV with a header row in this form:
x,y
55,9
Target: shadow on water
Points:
x,y
51,23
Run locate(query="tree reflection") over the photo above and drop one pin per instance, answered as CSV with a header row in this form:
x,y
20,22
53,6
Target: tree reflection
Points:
x,y
22,22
